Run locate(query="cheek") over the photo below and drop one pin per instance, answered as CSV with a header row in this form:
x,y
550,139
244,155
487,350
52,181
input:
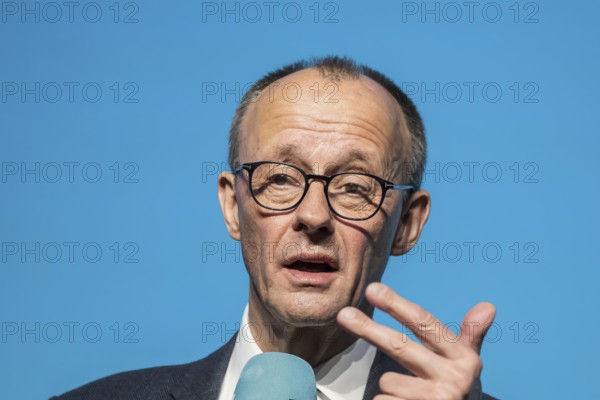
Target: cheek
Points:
x,y
250,234
251,223
357,254
260,237
265,231
370,249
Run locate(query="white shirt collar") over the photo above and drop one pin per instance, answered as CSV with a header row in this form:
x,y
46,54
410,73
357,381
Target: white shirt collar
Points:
x,y
342,377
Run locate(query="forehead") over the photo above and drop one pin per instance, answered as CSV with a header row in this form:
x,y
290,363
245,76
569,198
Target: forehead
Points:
x,y
305,111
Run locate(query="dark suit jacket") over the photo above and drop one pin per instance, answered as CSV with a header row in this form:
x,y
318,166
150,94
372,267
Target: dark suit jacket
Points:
x,y
200,380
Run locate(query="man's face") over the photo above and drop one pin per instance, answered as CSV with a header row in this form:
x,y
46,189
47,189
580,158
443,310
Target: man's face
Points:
x,y
354,129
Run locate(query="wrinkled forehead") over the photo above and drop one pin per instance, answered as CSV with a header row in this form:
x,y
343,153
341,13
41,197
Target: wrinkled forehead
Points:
x,y
308,100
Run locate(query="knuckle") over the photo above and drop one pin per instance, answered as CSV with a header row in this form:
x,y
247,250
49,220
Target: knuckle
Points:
x,y
398,344
474,363
461,381
478,365
423,317
464,384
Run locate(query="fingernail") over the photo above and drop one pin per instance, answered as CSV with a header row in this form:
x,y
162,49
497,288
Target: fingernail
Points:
x,y
348,313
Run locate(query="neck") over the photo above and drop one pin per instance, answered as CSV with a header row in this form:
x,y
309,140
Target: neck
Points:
x,y
314,344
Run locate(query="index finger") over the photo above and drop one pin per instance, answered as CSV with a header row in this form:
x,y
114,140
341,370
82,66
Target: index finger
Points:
x,y
414,357
431,332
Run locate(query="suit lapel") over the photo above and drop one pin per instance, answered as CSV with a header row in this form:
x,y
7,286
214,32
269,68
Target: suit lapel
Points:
x,y
202,379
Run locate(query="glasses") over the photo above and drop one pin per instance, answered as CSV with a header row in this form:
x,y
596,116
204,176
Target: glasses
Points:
x,y
350,195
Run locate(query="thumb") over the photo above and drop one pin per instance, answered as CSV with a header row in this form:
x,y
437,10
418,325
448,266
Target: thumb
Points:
x,y
475,325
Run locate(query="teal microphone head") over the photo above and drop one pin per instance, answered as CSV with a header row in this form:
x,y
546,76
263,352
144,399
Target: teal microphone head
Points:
x,y
276,376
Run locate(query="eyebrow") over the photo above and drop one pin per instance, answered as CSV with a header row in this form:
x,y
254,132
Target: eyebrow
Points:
x,y
288,153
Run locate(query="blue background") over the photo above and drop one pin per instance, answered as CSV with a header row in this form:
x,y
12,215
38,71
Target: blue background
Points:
x,y
166,120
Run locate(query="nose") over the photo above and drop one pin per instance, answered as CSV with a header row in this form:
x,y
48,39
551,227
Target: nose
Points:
x,y
313,214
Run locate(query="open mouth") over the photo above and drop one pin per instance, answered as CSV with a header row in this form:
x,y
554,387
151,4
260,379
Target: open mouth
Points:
x,y
306,266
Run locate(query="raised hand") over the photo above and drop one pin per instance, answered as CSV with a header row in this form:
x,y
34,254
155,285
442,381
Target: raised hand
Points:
x,y
447,366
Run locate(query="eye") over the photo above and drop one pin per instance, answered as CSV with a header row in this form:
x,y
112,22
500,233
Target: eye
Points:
x,y
280,179
352,185
353,188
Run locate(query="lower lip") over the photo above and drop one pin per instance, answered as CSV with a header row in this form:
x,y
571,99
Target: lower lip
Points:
x,y
311,278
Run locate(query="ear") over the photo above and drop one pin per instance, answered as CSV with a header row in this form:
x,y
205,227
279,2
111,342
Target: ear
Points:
x,y
414,215
228,201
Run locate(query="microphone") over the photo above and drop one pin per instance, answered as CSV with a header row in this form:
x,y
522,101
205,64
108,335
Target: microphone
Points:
x,y
276,376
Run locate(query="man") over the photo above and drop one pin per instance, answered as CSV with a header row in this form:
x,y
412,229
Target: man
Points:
x,y
327,159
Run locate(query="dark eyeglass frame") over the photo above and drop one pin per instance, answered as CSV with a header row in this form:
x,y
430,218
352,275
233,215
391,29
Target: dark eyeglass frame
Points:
x,y
385,186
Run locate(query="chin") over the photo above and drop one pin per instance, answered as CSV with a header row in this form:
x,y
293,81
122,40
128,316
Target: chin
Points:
x,y
304,310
